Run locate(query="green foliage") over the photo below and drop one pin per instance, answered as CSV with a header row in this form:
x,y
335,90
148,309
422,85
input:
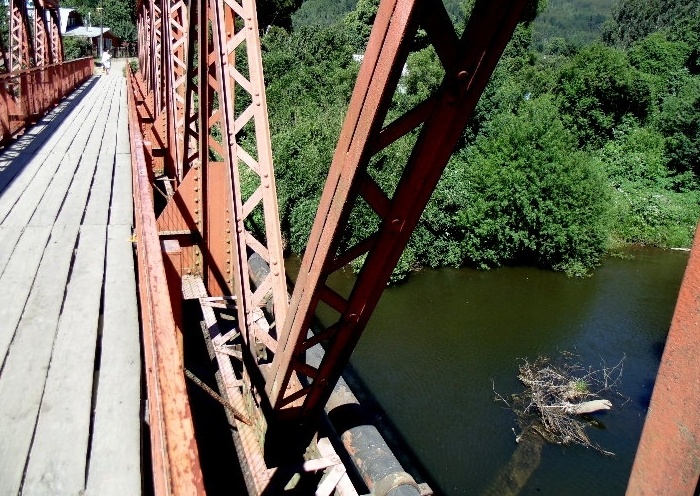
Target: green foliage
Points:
x,y
679,120
598,90
531,194
578,22
76,48
358,23
321,12
633,20
310,75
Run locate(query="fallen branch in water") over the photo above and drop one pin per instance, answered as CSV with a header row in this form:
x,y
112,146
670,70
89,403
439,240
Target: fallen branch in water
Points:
x,y
556,395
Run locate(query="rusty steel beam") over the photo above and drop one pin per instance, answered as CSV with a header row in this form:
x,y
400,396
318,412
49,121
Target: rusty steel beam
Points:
x,y
174,451
42,36
668,457
21,47
57,55
469,62
234,26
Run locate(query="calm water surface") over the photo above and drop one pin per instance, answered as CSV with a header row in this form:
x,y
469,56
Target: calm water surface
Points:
x,y
435,344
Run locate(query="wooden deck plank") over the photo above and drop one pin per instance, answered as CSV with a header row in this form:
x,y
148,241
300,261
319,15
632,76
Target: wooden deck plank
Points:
x,y
116,442
24,372
17,281
51,202
18,205
122,207
97,212
9,235
57,461
74,206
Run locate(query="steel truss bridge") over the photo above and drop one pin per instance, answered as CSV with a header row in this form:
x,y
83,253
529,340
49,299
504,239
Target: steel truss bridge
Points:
x,y
190,103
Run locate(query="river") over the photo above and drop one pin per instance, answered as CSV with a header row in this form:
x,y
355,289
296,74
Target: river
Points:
x,y
435,345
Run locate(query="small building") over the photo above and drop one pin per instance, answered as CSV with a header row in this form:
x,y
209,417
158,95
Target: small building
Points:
x,y
72,25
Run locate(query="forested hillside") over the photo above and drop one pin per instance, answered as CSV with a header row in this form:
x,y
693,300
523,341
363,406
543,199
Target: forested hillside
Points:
x,y
570,153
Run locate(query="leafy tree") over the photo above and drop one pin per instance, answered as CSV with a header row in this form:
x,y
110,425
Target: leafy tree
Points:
x,y
75,47
679,120
633,20
532,195
321,12
648,206
598,90
277,12
579,22
120,17
358,23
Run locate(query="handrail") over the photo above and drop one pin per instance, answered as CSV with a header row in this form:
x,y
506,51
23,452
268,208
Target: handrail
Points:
x,y
174,454
29,94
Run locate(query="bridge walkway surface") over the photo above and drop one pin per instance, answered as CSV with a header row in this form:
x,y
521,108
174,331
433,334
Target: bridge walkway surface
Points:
x,y
70,391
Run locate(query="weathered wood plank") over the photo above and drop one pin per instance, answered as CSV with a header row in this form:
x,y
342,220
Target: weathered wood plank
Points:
x,y
54,197
24,373
58,457
122,207
74,205
115,454
9,235
17,281
97,211
18,203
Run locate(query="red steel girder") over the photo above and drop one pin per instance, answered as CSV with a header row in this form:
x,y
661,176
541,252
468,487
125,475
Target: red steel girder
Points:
x,y
21,47
55,36
250,170
468,63
42,36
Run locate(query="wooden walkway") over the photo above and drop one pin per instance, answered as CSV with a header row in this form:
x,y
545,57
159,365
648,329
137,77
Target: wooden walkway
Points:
x,y
70,390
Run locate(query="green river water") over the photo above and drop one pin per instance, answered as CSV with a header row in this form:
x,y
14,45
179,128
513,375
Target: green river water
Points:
x,y
435,344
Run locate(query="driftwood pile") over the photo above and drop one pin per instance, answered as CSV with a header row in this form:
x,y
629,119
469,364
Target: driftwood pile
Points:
x,y
558,397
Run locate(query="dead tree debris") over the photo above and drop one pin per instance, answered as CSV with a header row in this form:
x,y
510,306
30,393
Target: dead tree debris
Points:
x,y
558,397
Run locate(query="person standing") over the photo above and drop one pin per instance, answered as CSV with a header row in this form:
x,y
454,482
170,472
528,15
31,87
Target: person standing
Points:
x,y
106,61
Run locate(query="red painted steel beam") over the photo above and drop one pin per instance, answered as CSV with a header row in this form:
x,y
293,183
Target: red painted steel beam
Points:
x,y
668,456
468,63
21,47
174,451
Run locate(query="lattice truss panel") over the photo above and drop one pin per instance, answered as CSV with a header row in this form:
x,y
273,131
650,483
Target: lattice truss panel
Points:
x,y
35,41
213,135
21,50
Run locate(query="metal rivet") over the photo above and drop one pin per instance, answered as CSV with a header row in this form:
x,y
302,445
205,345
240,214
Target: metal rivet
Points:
x,y
462,75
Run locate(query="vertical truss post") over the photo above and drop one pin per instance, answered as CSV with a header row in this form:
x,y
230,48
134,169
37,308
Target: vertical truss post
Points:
x,y
42,37
21,50
468,63
55,39
175,53
155,54
144,39
251,200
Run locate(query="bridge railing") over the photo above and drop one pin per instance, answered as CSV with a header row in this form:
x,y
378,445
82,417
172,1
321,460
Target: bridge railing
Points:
x,y
27,95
